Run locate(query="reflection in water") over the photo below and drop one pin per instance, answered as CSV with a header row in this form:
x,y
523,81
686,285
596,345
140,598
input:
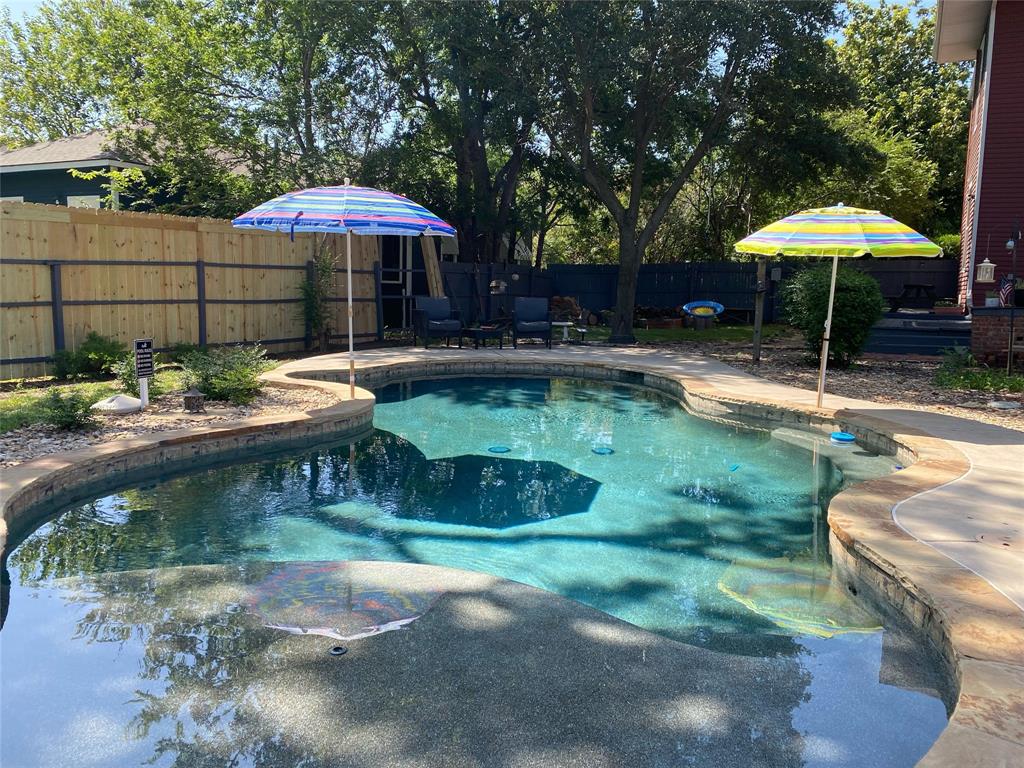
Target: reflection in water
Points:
x,y
174,667
319,599
695,531
797,595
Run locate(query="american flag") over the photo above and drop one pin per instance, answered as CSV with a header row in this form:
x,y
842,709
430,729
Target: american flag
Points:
x,y
1006,286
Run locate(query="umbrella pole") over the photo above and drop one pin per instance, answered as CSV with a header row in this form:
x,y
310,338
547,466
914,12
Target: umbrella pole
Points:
x,y
828,331
351,344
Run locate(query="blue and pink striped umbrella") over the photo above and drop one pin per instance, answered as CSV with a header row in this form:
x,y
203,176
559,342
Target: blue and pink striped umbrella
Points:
x,y
345,210
359,210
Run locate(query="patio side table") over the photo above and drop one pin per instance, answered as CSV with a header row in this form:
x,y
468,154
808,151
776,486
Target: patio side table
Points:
x,y
483,333
565,326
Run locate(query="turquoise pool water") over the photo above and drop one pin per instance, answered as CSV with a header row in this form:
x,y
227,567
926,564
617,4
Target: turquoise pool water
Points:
x,y
613,496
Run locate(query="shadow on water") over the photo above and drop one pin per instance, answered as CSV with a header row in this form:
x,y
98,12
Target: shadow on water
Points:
x,y
531,394
491,674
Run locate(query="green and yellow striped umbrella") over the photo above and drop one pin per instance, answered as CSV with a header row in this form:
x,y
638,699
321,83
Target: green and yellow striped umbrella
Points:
x,y
836,232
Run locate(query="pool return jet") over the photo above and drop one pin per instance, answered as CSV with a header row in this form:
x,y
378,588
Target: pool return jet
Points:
x,y
350,211
837,232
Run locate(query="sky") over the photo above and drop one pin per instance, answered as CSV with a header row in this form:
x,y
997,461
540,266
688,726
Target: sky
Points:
x,y
19,8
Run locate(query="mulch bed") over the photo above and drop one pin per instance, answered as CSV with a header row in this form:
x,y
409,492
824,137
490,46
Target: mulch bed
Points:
x,y
907,382
163,414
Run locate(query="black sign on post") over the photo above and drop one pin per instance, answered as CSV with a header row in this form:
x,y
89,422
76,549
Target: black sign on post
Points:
x,y
144,358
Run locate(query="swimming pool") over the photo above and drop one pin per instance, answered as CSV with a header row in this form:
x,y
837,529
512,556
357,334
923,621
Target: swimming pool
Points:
x,y
712,535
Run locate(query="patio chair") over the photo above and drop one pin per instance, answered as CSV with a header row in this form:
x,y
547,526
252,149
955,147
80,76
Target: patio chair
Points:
x,y
531,319
434,317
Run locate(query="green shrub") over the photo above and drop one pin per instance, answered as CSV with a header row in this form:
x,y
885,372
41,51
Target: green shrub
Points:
x,y
858,305
70,411
124,370
66,364
950,245
960,370
96,354
99,354
179,350
226,373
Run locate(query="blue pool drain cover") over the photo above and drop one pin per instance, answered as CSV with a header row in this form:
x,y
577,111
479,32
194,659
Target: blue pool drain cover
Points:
x,y
499,449
842,438
603,450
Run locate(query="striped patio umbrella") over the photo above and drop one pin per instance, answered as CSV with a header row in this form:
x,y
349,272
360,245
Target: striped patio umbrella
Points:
x,y
837,232
345,210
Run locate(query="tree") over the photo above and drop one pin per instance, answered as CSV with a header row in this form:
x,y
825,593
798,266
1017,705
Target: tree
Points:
x,y
230,101
892,174
49,86
459,68
887,51
637,94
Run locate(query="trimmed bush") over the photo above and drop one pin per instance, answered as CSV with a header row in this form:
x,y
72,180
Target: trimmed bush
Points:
x,y
858,305
70,411
950,245
97,354
226,373
124,370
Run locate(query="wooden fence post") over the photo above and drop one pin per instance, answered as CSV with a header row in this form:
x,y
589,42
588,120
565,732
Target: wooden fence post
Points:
x,y
311,279
57,307
201,299
762,288
378,293
430,262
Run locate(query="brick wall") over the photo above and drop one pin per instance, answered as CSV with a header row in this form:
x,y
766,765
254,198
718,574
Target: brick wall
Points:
x,y
990,332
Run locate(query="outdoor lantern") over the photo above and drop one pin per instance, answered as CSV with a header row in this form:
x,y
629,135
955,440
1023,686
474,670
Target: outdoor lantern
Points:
x,y
986,272
194,401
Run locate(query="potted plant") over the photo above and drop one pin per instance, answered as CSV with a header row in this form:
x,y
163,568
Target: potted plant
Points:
x,y
947,307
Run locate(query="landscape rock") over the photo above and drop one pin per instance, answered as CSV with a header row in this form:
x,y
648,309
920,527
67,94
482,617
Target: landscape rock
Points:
x,y
117,405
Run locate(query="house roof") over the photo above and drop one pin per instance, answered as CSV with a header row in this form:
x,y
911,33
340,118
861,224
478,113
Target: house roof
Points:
x,y
81,151
959,27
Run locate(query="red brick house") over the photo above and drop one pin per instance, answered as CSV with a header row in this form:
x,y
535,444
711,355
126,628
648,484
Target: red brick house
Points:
x,y
991,33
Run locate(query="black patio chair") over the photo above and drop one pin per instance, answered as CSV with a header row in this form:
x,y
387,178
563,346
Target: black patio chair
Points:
x,y
531,319
434,317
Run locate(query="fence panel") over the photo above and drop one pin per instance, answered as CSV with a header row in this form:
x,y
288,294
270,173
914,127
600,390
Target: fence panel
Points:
x,y
69,271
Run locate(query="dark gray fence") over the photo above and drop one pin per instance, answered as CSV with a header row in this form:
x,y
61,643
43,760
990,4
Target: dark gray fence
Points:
x,y
468,285
731,283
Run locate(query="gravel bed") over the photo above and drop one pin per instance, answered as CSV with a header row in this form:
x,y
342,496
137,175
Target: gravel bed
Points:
x,y
899,381
163,414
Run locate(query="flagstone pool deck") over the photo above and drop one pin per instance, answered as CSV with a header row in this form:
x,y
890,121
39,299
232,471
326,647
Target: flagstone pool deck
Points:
x,y
942,540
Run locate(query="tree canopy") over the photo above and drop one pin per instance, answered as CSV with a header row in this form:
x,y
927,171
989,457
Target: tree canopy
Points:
x,y
621,131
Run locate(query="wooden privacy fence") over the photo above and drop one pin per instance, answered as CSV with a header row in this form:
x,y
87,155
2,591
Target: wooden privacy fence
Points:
x,y
69,271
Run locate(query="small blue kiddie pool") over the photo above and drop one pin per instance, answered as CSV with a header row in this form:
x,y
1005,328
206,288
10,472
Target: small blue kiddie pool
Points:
x,y
703,309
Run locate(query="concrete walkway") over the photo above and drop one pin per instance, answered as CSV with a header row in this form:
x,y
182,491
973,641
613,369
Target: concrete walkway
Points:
x,y
976,520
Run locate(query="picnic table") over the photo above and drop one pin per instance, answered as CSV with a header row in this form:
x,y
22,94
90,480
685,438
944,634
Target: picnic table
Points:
x,y
914,295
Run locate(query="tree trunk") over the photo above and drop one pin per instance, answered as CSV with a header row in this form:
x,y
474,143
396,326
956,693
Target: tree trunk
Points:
x,y
630,255
539,258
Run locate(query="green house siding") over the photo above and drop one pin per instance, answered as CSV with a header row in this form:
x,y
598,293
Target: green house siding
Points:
x,y
48,186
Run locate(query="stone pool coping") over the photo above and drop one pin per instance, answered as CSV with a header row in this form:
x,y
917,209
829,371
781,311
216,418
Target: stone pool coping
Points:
x,y
978,629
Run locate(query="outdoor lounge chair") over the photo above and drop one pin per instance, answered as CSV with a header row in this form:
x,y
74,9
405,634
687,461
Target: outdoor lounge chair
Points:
x,y
435,317
531,319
